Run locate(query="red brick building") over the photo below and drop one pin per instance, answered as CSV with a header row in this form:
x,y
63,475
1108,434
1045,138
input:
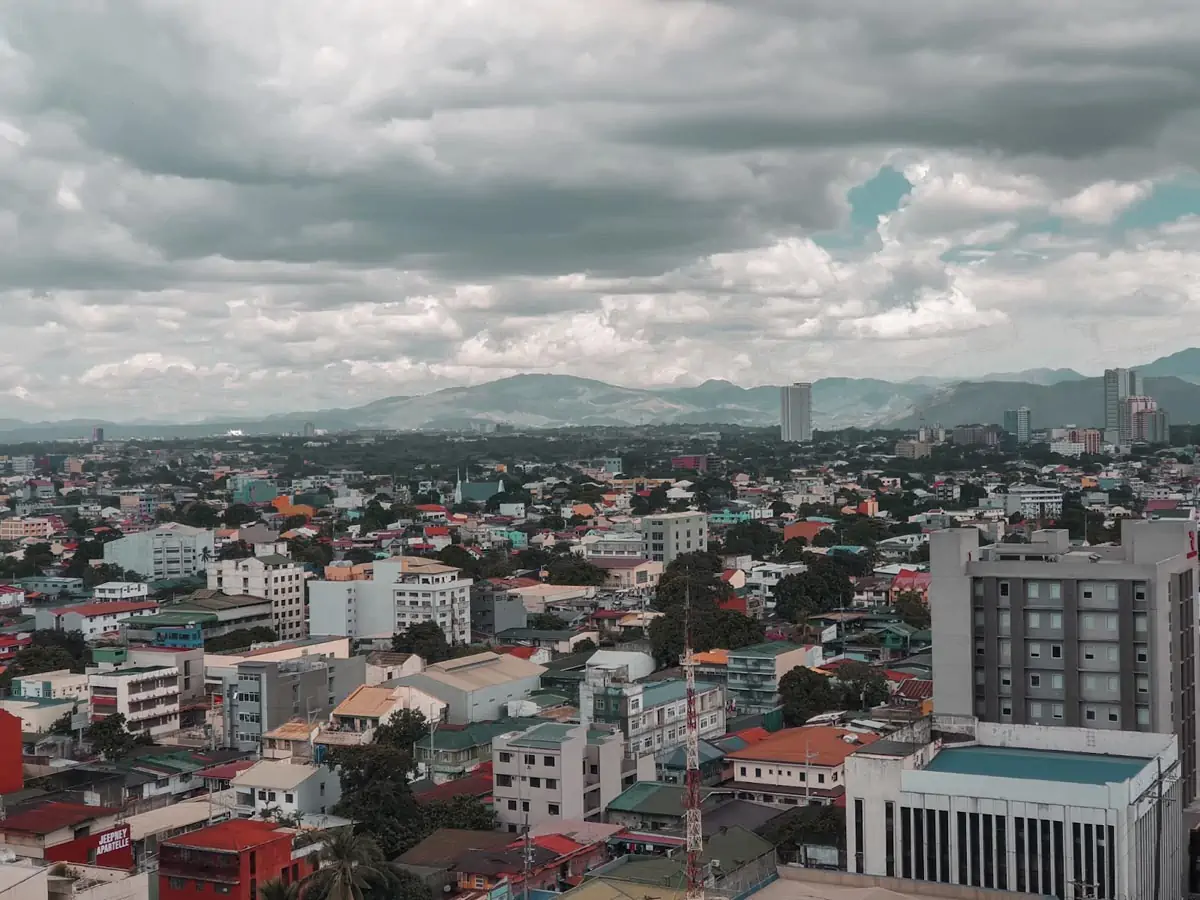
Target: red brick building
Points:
x,y
12,777
231,860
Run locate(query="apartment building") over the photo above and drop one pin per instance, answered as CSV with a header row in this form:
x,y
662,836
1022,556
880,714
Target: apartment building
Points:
x,y
395,594
667,535
753,673
795,412
560,770
147,696
614,545
1034,501
1044,633
172,550
61,684
651,716
231,859
120,590
274,577
16,528
261,695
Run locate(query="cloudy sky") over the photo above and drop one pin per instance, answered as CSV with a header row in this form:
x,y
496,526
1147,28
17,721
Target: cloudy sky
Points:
x,y
257,205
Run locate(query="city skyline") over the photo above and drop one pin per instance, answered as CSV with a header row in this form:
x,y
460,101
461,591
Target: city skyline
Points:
x,y
340,205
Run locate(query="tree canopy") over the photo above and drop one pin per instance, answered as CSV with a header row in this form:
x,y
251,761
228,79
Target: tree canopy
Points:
x,y
426,640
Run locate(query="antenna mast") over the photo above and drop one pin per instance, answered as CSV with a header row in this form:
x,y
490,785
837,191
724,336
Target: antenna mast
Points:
x,y
695,830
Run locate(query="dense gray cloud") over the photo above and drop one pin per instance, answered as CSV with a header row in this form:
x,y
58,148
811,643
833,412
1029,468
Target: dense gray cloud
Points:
x,y
252,206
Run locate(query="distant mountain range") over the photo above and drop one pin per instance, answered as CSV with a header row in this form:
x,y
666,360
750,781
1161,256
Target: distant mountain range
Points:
x,y
1054,396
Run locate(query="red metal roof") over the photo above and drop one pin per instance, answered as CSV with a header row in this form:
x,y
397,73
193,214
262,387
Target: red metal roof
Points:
x,y
105,609
477,784
53,816
231,835
915,689
226,771
556,843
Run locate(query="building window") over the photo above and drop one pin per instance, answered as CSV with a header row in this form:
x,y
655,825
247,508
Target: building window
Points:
x,y
1143,684
1056,682
859,840
1142,655
1113,716
548,760
530,759
1032,590
1056,621
1033,619
1035,651
551,784
176,883
1057,710
1035,710
552,809
889,830
1056,651
1089,714
524,806
512,804
535,782
1139,622
504,781
1143,715
289,798
743,768
505,757
1035,680
1004,589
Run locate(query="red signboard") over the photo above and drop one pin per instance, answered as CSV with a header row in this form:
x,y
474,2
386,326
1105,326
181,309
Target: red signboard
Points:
x,y
111,849
1191,545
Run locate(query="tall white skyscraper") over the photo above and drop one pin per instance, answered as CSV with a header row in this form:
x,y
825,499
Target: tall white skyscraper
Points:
x,y
795,412
1119,386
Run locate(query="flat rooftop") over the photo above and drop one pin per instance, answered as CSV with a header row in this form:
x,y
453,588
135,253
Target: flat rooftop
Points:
x,y
1037,765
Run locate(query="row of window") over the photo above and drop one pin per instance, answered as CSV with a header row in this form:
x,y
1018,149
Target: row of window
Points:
x,y
551,808
530,759
1052,590
1092,715
1054,621
1087,652
507,781
799,774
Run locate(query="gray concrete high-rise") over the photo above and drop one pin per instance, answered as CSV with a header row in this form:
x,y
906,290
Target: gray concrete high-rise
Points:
x,y
795,412
1050,634
1119,386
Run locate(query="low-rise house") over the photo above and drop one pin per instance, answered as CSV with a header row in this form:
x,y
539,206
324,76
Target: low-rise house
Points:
x,y
384,665
654,806
556,640
549,863
652,715
629,573
476,688
120,590
286,788
796,766
92,620
232,859
69,832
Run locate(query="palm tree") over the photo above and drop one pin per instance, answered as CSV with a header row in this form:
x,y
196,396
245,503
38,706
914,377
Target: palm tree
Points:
x,y
277,890
349,863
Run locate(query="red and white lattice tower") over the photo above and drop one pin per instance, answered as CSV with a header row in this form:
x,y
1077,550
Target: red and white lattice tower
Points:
x,y
695,831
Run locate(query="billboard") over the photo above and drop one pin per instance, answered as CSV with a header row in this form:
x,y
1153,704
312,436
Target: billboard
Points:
x,y
111,848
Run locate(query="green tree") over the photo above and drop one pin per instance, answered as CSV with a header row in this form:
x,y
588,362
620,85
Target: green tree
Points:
x,y
275,889
349,864
240,639
911,607
240,514
110,737
860,687
584,646
691,575
403,730
236,550
426,640
547,621
712,627
754,538
575,570
804,694
794,550
198,515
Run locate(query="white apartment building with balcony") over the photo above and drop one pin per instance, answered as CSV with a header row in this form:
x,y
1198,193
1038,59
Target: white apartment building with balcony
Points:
x,y
147,696
172,550
273,577
651,716
120,590
561,770
401,592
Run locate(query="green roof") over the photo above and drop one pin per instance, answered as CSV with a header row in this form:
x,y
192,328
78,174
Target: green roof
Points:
x,y
1038,765
733,847
170,618
769,650
477,734
653,798
658,693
